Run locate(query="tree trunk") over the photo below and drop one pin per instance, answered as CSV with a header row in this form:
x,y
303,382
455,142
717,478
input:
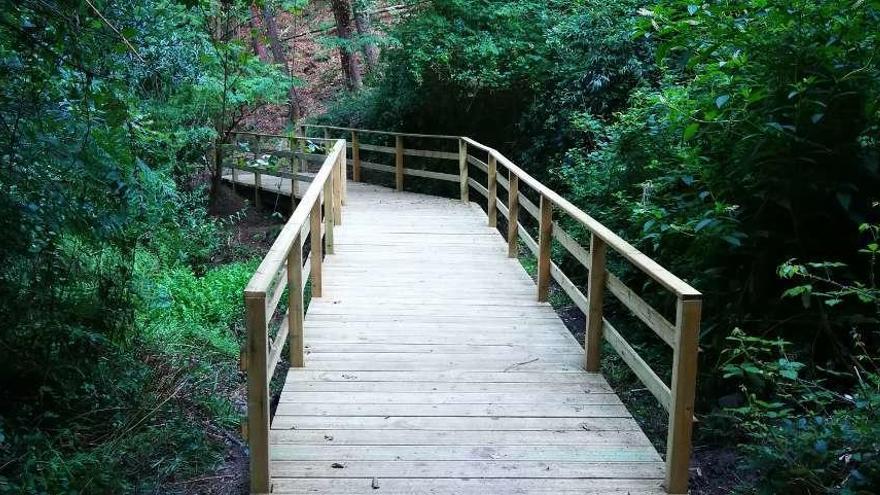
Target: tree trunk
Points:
x,y
364,28
342,13
280,57
256,29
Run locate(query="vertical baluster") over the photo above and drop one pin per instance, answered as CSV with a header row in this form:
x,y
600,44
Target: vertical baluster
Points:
x,y
513,216
684,382
595,301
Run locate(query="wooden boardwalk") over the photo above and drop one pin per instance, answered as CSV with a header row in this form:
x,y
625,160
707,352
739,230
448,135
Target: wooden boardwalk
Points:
x,y
269,183
430,368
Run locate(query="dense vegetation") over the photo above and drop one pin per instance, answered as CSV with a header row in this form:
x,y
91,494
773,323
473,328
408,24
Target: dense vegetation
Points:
x,y
736,141
116,353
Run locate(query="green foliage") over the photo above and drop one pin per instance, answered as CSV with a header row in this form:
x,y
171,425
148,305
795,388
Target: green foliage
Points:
x,y
113,349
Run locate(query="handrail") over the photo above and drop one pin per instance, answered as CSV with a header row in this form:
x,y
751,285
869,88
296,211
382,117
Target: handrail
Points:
x,y
282,268
682,335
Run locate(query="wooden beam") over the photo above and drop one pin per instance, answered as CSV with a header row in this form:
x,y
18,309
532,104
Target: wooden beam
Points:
x,y
595,301
512,216
317,248
684,383
492,183
545,229
258,391
398,162
463,169
295,302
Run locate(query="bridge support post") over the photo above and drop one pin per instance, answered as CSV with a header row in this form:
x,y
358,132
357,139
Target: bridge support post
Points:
x,y
317,249
258,391
295,302
513,215
684,383
545,228
595,302
492,183
398,162
463,169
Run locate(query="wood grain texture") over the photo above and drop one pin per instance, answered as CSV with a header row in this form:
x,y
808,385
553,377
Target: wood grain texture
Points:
x,y
430,366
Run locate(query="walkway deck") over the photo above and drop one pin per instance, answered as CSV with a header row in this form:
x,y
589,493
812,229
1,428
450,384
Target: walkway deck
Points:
x,y
430,368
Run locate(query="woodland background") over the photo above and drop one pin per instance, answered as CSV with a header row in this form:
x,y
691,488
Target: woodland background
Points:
x,y
735,141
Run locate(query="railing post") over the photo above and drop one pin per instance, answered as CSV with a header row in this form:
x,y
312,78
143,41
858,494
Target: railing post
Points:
x,y
545,228
398,162
295,302
258,391
343,174
355,157
294,182
684,383
336,175
326,133
258,183
257,178
463,169
328,215
595,301
513,216
492,183
317,249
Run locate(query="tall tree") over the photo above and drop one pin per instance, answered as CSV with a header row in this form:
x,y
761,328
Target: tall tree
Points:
x,y
281,57
350,69
364,27
256,31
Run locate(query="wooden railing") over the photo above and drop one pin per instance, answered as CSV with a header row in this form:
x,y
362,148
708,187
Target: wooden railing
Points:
x,y
281,269
682,335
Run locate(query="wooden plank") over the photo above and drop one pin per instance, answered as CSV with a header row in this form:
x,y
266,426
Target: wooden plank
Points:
x,y
564,453
466,469
447,423
468,486
578,437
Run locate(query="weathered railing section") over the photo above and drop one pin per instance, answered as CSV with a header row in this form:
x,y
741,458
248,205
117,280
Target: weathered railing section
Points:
x,y
681,335
314,218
